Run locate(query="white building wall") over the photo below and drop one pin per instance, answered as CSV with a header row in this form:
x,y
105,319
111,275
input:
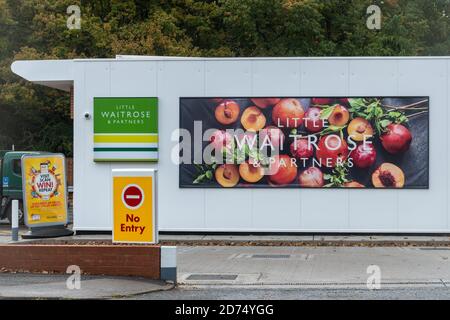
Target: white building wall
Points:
x,y
272,210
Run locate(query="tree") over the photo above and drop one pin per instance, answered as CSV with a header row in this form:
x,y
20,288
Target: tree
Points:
x,y
37,118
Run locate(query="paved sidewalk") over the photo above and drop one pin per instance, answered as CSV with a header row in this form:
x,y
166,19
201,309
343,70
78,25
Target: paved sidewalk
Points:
x,y
37,286
314,267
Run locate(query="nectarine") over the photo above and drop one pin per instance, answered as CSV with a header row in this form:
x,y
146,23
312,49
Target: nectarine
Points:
x,y
227,175
313,122
331,150
227,112
282,170
359,129
288,113
251,172
396,139
312,177
388,175
253,119
339,116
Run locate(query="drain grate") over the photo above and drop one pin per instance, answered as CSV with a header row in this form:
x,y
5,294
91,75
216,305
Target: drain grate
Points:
x,y
228,277
271,256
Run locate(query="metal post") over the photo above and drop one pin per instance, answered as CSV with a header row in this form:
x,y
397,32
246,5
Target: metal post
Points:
x,y
15,220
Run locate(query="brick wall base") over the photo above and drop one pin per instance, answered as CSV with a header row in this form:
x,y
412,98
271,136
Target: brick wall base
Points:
x,y
114,260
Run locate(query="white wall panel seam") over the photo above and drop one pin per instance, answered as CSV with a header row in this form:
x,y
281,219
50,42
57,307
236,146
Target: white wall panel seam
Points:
x,y
448,137
252,193
300,193
300,91
205,90
109,164
78,144
397,193
348,191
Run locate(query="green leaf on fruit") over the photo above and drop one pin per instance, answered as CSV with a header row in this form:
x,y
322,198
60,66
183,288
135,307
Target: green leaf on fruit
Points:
x,y
338,176
384,123
325,113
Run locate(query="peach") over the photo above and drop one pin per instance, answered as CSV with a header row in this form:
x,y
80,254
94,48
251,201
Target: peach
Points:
x,y
339,116
253,119
282,170
251,172
388,175
359,129
288,113
227,112
227,175
265,102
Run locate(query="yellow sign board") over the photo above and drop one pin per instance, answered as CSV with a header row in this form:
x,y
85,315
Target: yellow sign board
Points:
x,y
45,190
134,208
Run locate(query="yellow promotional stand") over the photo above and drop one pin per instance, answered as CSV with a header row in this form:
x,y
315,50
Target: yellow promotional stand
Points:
x,y
45,195
134,206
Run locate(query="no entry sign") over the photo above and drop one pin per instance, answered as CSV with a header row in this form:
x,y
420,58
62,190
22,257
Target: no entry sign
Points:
x,y
134,206
133,196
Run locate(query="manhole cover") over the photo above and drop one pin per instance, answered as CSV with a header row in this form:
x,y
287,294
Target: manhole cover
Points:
x,y
271,256
212,277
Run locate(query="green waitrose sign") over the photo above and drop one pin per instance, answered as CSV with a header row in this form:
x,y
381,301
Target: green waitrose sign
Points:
x,y
125,129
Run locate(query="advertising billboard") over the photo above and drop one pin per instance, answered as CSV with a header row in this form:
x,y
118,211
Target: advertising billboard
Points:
x,y
304,142
44,190
125,129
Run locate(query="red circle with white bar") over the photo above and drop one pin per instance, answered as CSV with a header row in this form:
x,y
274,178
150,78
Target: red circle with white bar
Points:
x,y
132,196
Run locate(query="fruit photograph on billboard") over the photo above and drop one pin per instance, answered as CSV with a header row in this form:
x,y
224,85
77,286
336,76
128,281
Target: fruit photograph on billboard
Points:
x,y
304,142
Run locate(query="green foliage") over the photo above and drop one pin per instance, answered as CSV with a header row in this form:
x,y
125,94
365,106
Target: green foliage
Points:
x,y
338,177
34,117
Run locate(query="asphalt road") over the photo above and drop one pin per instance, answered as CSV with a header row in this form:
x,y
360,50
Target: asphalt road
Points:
x,y
412,293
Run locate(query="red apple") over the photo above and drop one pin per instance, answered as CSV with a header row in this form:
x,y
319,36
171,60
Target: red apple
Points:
x,y
321,101
301,149
364,155
288,113
396,139
282,170
312,177
313,123
273,135
331,150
